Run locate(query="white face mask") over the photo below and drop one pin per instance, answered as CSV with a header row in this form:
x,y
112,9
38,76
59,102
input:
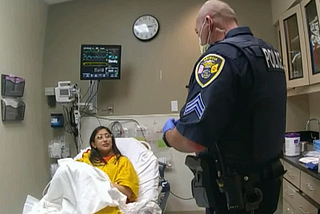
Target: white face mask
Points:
x,y
205,47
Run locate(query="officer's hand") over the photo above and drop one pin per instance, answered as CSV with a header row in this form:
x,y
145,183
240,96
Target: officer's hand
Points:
x,y
169,125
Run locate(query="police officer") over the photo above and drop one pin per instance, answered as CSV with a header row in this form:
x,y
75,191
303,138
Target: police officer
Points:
x,y
237,103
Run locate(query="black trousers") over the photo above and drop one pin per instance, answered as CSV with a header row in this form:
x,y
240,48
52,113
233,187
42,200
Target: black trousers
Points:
x,y
270,190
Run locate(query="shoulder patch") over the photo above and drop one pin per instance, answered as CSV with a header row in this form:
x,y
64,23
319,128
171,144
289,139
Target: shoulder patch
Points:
x,y
208,69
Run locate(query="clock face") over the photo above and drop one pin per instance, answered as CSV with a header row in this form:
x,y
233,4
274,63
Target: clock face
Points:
x,y
146,27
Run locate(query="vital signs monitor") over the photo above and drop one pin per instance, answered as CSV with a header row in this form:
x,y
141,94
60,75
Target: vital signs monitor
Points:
x,y
100,62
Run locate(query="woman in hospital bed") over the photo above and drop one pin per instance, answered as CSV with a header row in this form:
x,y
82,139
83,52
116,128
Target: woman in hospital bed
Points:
x,y
105,155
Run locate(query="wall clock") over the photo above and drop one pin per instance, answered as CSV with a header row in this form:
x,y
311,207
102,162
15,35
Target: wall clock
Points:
x,y
145,27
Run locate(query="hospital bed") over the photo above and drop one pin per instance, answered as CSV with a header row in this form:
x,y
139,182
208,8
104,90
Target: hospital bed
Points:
x,y
154,188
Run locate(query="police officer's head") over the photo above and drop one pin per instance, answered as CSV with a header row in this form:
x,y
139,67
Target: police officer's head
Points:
x,y
214,20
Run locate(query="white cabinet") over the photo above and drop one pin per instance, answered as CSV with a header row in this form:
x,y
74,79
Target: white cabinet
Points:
x,y
293,47
300,43
310,14
301,191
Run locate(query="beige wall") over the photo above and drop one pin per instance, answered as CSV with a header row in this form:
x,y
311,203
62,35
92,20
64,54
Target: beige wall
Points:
x,y
298,112
174,51
23,160
314,103
300,109
280,6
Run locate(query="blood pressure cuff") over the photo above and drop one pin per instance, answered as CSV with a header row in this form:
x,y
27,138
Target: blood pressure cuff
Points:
x,y
203,184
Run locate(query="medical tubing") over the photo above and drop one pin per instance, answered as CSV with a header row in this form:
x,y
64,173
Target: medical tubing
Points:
x,y
185,199
92,97
119,119
113,125
90,87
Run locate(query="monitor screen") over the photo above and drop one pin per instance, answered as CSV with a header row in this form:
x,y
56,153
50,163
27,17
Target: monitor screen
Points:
x,y
100,62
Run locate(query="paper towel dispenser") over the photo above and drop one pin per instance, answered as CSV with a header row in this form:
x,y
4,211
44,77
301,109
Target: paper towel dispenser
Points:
x,y
12,86
12,109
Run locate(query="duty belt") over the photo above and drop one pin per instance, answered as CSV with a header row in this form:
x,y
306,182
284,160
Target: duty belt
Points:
x,y
209,181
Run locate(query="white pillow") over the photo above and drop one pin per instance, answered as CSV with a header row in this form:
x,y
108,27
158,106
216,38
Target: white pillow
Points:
x,y
145,164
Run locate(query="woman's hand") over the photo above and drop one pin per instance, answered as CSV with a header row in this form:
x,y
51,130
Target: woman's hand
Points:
x,y
125,190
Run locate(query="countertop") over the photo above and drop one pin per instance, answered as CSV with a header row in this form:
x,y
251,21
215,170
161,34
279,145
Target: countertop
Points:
x,y
294,161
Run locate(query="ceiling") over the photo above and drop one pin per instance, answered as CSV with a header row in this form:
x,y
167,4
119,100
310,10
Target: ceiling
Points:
x,y
55,1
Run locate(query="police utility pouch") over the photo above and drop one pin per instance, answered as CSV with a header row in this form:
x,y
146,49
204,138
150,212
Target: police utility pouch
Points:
x,y
241,192
205,184
233,189
205,177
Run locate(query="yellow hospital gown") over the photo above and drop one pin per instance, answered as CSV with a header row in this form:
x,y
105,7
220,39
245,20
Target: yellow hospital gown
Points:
x,y
120,172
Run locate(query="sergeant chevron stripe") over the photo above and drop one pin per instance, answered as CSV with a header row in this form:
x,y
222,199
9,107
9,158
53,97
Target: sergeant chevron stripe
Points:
x,y
197,105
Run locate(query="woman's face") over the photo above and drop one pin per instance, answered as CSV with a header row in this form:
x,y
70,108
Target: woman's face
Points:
x,y
103,142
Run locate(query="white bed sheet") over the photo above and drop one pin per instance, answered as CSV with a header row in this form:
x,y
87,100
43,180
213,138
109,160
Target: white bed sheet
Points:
x,y
78,188
87,190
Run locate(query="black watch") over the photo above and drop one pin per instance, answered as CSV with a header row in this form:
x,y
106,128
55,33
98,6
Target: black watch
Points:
x,y
165,140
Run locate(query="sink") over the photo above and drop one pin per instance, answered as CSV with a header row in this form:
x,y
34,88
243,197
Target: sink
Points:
x,y
308,146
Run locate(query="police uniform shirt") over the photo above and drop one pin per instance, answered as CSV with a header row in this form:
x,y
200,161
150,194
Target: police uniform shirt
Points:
x,y
216,109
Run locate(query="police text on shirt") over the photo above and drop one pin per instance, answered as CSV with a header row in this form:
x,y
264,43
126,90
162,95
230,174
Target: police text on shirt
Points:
x,y
273,59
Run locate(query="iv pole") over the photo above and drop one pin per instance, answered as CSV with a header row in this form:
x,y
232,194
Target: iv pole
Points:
x,y
79,121
93,87
92,100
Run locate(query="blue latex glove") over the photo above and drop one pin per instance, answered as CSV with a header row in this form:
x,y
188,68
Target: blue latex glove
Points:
x,y
169,125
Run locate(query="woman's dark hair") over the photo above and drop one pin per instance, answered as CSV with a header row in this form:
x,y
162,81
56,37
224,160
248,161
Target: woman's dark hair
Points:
x,y
95,156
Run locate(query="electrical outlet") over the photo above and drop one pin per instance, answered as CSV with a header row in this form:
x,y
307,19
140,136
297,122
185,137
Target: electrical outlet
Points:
x,y
110,110
174,105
